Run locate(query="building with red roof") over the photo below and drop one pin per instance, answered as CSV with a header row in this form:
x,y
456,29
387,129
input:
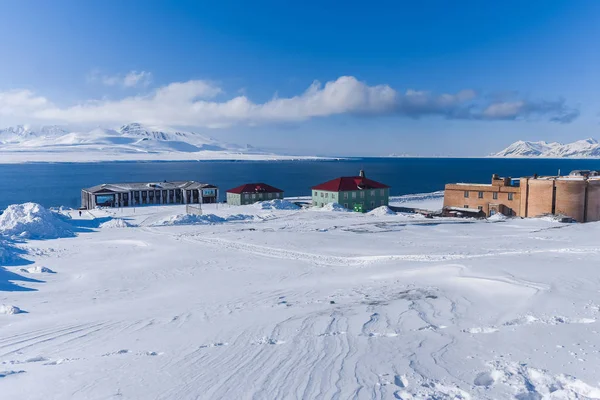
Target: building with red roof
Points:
x,y
251,193
353,192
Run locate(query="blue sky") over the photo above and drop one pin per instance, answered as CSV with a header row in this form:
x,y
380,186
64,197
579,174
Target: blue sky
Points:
x,y
435,78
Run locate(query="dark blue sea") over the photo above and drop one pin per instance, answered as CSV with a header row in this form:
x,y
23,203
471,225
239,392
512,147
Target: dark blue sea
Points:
x,y
59,184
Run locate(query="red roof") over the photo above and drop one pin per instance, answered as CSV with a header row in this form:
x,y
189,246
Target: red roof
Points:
x,y
255,188
349,183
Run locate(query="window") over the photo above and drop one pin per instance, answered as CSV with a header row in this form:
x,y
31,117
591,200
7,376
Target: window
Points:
x,y
316,194
372,193
326,195
322,195
480,208
510,196
372,204
362,195
495,195
466,194
353,195
314,203
270,195
277,195
480,195
345,195
382,192
466,206
253,196
345,205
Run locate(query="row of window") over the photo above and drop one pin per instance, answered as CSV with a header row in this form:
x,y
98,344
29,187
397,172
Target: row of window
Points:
x,y
316,203
510,212
254,196
494,195
362,194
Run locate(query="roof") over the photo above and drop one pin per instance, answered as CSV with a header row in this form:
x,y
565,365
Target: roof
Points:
x,y
349,183
126,187
255,188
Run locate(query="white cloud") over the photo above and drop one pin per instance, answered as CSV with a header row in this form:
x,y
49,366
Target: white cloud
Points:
x,y
192,103
129,80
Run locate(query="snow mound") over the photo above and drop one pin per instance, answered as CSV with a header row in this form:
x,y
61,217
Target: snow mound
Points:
x,y
32,221
334,207
382,211
37,270
116,223
276,204
10,310
497,217
207,219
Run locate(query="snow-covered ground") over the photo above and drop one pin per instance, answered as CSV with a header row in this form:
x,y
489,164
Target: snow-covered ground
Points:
x,y
263,303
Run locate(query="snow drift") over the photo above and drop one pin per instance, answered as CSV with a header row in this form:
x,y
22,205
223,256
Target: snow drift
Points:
x,y
382,211
7,309
333,207
116,223
276,204
497,217
32,221
207,219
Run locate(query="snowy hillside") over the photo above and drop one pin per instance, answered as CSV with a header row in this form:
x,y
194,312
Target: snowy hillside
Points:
x,y
579,149
129,142
276,302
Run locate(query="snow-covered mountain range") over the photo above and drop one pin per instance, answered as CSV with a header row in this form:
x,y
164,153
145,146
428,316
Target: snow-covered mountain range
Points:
x,y
130,142
579,149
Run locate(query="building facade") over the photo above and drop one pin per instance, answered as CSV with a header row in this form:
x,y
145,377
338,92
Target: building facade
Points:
x,y
352,192
502,195
251,193
136,194
576,196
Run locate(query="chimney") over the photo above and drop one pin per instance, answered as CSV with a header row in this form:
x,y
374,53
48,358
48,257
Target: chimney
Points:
x,y
361,173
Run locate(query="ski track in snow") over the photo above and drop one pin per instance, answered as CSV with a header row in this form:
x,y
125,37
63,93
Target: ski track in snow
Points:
x,y
243,311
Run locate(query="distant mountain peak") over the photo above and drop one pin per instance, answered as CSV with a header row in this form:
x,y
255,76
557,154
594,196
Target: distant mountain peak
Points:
x,y
579,149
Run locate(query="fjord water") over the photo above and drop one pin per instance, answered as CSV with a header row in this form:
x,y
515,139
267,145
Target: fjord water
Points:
x,y
60,184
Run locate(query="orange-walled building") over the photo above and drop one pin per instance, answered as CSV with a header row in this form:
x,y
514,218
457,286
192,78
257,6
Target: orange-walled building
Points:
x,y
576,196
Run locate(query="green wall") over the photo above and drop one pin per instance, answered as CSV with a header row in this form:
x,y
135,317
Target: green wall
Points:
x,y
235,199
370,198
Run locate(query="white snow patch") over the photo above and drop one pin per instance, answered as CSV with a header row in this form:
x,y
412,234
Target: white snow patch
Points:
x,y
497,217
333,207
32,221
276,204
8,309
207,219
37,270
116,223
382,211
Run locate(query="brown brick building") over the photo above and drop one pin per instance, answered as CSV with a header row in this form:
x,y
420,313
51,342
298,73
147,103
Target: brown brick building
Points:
x,y
576,196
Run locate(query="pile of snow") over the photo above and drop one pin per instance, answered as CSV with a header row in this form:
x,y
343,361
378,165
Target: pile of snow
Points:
x,y
382,211
497,217
207,219
116,223
334,207
276,204
32,221
37,270
10,310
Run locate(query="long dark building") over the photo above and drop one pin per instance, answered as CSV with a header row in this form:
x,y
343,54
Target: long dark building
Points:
x,y
135,194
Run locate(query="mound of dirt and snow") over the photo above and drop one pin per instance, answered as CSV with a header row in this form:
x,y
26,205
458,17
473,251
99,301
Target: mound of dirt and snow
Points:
x,y
32,221
382,211
206,219
10,310
276,204
116,223
337,207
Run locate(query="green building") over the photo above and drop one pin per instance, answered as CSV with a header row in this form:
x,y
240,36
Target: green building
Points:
x,y
252,193
353,192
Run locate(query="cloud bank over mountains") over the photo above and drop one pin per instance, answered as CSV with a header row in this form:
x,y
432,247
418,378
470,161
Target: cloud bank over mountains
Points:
x,y
204,104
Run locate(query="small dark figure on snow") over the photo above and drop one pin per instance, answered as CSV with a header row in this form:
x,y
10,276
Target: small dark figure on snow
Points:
x,y
80,213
